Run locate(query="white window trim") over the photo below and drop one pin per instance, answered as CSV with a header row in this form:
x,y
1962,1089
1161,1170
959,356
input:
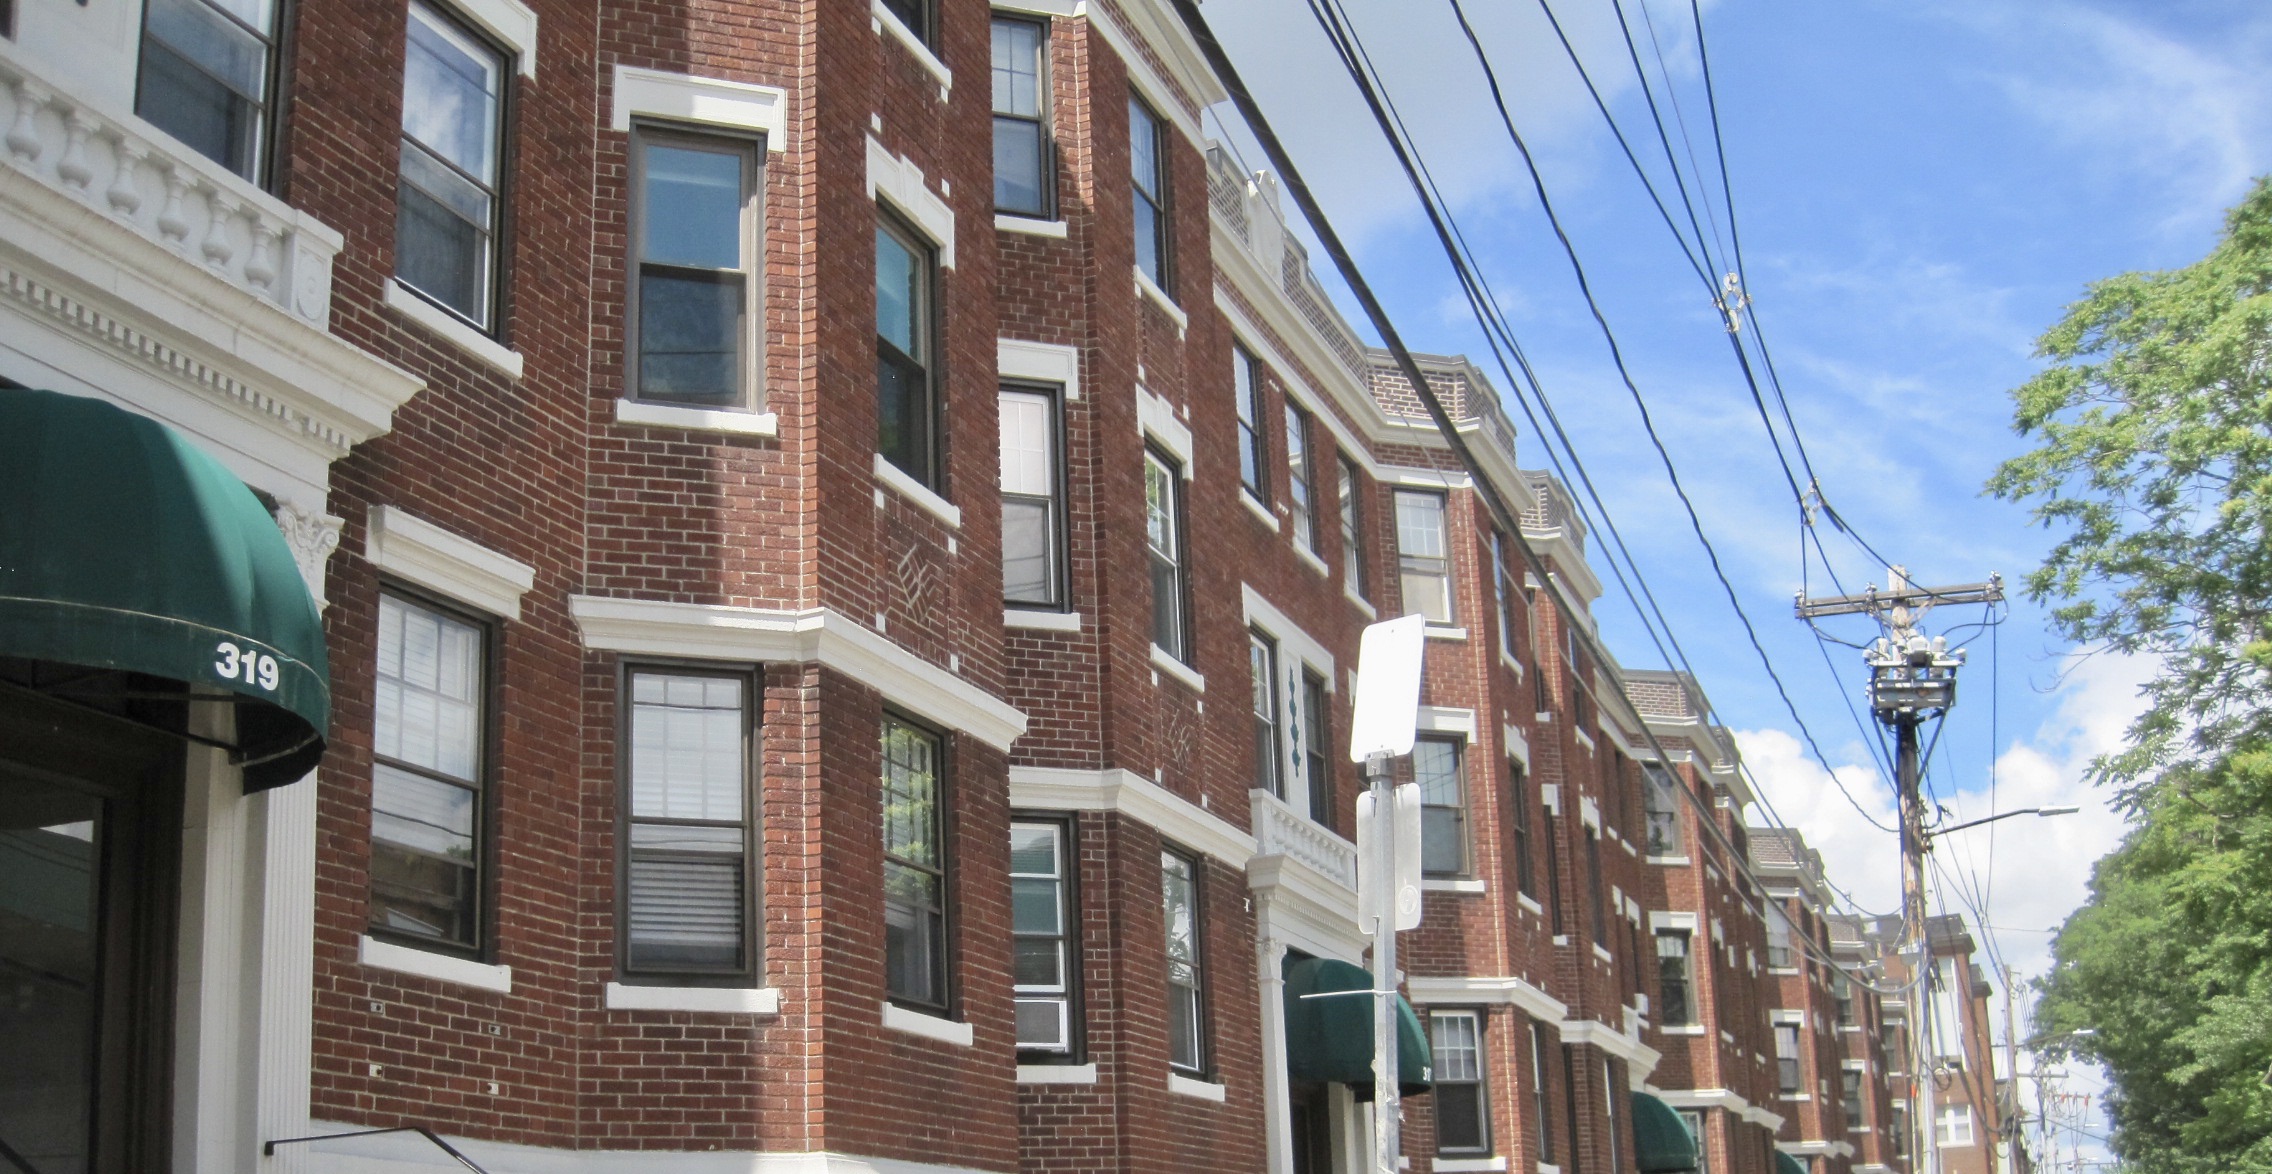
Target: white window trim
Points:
x,y
1260,511
883,20
1041,788
1028,225
917,492
1166,662
1449,884
1040,362
1057,1074
1518,745
511,23
423,554
930,1027
1309,557
453,329
643,413
703,101
705,999
1155,418
1203,1090
441,967
1146,287
1440,719
897,181
1469,1165
1444,632
1047,621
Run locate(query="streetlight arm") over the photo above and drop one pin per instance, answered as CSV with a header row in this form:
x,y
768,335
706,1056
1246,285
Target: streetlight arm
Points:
x,y
1973,823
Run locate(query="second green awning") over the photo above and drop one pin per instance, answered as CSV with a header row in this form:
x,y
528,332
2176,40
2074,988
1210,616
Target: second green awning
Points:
x,y
1786,1164
1661,1138
1331,1038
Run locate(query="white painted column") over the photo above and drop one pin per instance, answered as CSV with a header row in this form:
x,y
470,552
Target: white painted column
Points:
x,y
211,996
286,946
1277,1103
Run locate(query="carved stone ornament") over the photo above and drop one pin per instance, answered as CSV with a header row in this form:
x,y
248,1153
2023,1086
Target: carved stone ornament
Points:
x,y
312,537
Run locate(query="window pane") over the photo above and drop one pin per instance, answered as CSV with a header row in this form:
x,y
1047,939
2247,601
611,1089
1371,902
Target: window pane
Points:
x,y
1143,149
911,961
450,85
1029,443
690,329
686,913
1034,906
1178,905
1457,1052
1020,167
1017,67
1148,239
1436,767
1420,525
414,812
686,752
439,253
1459,1117
1041,1024
204,78
899,295
1029,540
428,690
693,210
1245,398
1442,844
1040,963
1033,849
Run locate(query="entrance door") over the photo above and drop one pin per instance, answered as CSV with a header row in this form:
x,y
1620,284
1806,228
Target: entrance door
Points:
x,y
89,839
1313,1130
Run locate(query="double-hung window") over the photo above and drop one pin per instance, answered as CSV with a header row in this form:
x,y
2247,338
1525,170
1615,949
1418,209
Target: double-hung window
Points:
x,y
1262,665
1352,531
1317,746
1600,890
429,747
1299,497
1676,993
1246,400
208,78
694,287
1503,595
920,17
1148,169
1179,901
446,199
1538,1097
1787,1077
1042,917
906,339
1779,954
1443,806
689,891
1518,820
915,865
1850,1090
1424,559
1842,991
1033,495
1022,175
1693,1121
1953,1126
1463,1117
1553,843
1163,539
1660,800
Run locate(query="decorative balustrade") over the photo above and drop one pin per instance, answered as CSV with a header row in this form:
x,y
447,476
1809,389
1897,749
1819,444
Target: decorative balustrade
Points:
x,y
137,176
1279,830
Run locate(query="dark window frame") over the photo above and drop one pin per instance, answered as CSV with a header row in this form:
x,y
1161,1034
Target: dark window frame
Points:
x,y
490,741
1676,972
1202,1037
1437,566
1518,822
751,972
1660,807
1351,503
1541,1101
1042,120
1301,475
267,142
943,827
1269,713
1060,528
1598,886
920,17
1461,816
929,318
1481,1084
1790,1072
750,338
1317,741
1160,199
1246,404
1076,1048
499,251
1177,562
1553,842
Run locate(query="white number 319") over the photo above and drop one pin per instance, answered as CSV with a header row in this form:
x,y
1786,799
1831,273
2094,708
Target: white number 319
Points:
x,y
251,666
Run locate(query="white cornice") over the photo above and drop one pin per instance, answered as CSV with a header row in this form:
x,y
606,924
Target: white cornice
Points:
x,y
1042,788
646,627
1486,989
1555,544
419,552
1640,1057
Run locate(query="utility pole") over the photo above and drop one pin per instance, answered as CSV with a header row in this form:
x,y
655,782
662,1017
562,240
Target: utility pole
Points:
x,y
2013,1115
1912,680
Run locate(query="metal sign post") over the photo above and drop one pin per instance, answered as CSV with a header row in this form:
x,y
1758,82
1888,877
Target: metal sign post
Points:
x,y
1389,662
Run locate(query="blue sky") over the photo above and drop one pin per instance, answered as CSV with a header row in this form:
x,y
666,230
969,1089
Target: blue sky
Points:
x,y
1921,186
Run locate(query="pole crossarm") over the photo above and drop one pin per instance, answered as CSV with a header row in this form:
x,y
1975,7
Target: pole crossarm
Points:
x,y
1876,602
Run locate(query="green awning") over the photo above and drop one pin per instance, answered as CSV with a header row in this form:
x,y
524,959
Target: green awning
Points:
x,y
1661,1137
123,546
1786,1164
1331,1039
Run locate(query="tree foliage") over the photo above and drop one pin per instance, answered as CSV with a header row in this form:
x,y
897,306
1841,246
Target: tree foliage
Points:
x,y
2170,964
2155,460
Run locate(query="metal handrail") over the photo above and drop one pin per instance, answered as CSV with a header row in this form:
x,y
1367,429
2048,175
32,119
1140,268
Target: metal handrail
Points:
x,y
268,1149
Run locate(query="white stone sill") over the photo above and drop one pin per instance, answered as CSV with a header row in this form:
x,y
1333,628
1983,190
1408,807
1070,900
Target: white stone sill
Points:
x,y
1168,664
1697,1030
1047,621
1444,632
1451,884
1512,663
930,1027
1603,954
1469,1165
1524,900
707,999
1186,1086
1671,861
1149,289
454,330
1028,226
1309,558
1358,601
441,967
882,20
1057,1074
692,419
915,491
1258,509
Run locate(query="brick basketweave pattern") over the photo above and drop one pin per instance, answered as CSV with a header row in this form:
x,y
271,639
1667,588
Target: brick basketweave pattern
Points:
x,y
539,469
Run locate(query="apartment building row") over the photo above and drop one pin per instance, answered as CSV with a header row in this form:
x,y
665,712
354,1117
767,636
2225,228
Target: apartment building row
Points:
x,y
666,587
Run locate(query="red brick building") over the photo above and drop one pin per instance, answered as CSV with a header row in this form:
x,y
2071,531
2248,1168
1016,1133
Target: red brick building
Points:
x,y
828,593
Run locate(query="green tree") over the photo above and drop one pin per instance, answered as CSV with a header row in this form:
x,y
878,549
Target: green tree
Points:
x,y
2155,423
2170,963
